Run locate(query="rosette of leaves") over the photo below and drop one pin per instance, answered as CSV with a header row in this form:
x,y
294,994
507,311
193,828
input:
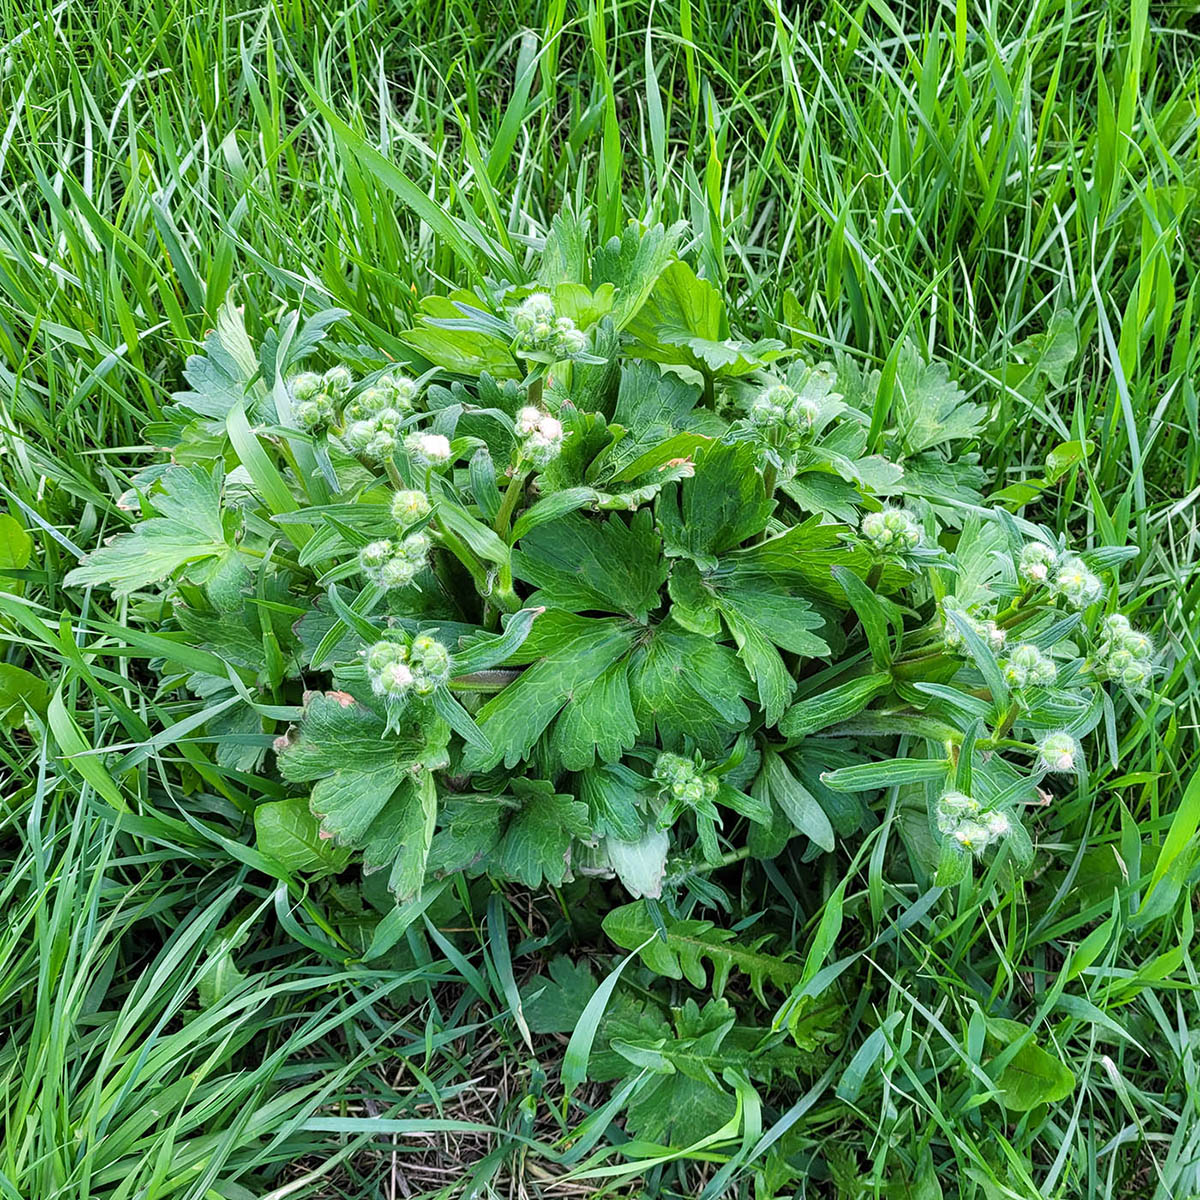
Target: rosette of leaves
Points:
x,y
617,560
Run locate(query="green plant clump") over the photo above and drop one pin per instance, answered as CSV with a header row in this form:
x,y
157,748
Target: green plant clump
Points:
x,y
591,587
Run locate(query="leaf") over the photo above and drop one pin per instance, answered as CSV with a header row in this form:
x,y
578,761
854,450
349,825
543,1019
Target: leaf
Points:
x,y
221,375
588,565
689,942
555,1005
929,409
481,651
576,651
288,832
632,262
21,692
688,685
839,703
536,844
16,546
598,719
1032,1076
374,791
889,773
640,865
797,802
722,505
188,529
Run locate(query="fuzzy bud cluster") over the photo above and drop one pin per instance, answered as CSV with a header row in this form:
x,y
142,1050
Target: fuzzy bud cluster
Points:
x,y
428,449
374,418
685,781
409,507
540,435
1036,562
1027,666
782,416
1125,655
540,328
1066,575
891,531
396,392
389,564
395,669
964,819
1058,752
993,635
315,397
1075,583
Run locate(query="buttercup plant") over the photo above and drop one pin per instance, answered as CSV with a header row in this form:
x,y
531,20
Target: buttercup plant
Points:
x,y
592,588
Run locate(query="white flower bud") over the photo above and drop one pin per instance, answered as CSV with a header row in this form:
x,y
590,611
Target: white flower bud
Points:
x,y
1058,752
428,449
393,681
1036,561
372,556
306,385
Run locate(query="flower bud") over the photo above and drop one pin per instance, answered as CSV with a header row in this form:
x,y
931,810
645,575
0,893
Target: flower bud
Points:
x,y
428,449
1027,666
1036,561
338,381
393,681
409,507
1076,584
891,531
305,385
372,556
1058,752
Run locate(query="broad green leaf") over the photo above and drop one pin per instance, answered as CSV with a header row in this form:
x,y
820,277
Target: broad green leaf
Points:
x,y
929,409
587,565
537,841
577,651
688,685
722,505
16,546
21,692
797,802
1032,1076
288,832
598,720
374,791
188,529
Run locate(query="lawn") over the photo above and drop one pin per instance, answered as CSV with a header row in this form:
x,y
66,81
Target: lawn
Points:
x,y
990,207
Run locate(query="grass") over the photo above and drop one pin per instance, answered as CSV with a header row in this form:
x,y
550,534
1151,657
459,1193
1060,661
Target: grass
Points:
x,y
855,175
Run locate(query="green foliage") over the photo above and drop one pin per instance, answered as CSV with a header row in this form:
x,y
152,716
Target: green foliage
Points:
x,y
953,206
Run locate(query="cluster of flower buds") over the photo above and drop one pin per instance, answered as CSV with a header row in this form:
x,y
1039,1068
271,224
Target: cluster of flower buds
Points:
x,y
388,391
409,507
540,328
1066,575
688,785
316,397
540,435
965,821
992,635
389,564
1027,666
395,669
1125,655
891,531
428,449
1058,752
782,416
374,418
